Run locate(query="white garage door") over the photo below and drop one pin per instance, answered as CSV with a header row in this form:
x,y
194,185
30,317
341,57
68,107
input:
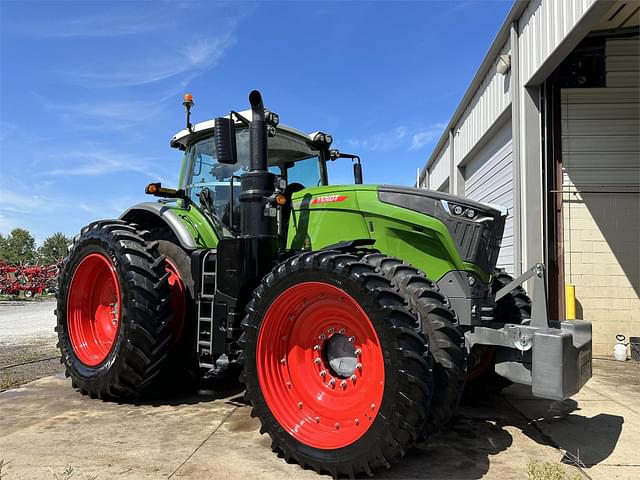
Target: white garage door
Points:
x,y
489,178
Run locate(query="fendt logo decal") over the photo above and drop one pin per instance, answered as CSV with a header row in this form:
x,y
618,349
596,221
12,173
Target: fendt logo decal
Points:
x,y
329,199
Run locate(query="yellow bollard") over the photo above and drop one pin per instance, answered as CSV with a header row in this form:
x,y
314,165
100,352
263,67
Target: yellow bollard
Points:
x,y
570,300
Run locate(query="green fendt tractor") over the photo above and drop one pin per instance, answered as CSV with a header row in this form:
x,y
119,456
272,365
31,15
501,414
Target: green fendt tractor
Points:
x,y
356,315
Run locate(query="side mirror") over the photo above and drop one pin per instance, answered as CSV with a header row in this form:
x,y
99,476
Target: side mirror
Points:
x,y
357,173
225,140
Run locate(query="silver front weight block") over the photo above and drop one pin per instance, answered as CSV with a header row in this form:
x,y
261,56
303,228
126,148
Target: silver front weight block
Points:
x,y
552,356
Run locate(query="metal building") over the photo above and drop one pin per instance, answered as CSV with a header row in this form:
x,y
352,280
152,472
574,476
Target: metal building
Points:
x,y
549,128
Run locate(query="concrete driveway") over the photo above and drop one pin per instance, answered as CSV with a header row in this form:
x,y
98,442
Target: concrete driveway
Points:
x,y
46,428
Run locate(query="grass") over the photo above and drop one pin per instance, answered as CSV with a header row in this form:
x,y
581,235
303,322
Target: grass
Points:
x,y
9,381
68,473
3,463
549,471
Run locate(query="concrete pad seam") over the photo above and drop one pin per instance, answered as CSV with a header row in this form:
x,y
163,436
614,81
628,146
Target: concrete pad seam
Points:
x,y
614,400
203,442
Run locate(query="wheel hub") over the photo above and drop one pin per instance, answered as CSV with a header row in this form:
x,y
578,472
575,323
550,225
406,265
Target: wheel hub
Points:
x,y
340,354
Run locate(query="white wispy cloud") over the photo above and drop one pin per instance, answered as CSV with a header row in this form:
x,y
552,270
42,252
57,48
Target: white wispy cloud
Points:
x,y
95,26
422,138
98,162
187,62
381,141
102,113
400,137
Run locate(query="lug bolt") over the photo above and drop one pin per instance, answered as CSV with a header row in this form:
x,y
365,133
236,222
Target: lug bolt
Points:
x,y
359,366
288,384
317,361
316,348
330,330
317,419
322,336
343,384
283,361
337,426
358,351
341,331
353,378
300,405
332,382
352,339
373,406
357,421
323,373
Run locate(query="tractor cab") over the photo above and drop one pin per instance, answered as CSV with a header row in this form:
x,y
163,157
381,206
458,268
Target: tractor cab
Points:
x,y
297,158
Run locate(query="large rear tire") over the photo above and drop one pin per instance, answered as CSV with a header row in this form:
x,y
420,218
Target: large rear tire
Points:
x,y
181,371
446,341
335,365
113,313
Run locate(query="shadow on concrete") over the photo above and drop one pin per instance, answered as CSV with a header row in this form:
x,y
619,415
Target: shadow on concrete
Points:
x,y
207,391
464,449
586,441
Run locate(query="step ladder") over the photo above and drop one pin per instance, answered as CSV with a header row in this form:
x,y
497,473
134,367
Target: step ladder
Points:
x,y
206,308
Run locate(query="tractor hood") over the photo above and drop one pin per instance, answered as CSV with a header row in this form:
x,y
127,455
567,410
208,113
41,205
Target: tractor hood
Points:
x,y
416,197
476,227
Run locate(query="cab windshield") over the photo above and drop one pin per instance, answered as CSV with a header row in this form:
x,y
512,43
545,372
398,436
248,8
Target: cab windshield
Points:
x,y
289,156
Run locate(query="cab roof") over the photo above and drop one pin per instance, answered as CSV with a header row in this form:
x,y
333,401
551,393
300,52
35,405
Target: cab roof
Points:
x,y
184,136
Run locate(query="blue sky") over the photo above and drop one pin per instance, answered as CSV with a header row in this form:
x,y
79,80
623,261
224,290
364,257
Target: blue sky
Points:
x,y
90,92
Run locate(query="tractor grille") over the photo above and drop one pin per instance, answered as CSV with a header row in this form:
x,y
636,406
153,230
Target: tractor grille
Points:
x,y
478,242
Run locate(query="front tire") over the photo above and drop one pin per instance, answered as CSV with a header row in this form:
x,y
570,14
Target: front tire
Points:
x,y
335,366
446,341
113,313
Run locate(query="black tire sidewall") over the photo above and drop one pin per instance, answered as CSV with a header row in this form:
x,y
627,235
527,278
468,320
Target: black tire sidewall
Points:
x,y
102,372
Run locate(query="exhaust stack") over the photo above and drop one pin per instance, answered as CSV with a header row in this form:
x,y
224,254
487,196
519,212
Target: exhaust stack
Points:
x,y
257,133
258,183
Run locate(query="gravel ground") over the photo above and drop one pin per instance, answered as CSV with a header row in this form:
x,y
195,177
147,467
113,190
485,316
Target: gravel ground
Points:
x,y
25,322
26,337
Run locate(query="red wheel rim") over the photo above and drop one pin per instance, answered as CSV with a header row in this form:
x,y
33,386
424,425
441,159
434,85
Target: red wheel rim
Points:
x,y
93,309
177,299
310,400
486,361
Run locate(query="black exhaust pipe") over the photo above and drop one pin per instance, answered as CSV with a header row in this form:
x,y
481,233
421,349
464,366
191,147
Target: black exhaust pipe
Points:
x,y
257,133
258,184
245,259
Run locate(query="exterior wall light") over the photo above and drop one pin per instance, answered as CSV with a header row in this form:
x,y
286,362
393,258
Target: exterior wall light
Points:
x,y
504,64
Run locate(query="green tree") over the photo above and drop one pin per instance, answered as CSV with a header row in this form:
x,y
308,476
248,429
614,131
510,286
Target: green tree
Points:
x,y
3,242
18,247
54,248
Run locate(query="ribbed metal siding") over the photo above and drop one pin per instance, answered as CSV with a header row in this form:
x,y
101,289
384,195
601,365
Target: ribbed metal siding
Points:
x,y
439,170
623,63
543,26
489,102
489,179
600,139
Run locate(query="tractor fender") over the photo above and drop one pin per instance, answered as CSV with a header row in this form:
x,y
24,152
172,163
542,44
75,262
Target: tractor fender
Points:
x,y
154,215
